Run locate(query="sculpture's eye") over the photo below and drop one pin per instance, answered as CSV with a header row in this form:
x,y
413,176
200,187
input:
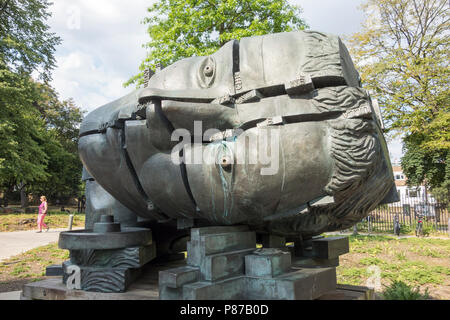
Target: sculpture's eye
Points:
x,y
207,72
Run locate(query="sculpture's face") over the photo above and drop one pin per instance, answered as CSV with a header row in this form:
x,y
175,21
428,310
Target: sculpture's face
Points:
x,y
271,131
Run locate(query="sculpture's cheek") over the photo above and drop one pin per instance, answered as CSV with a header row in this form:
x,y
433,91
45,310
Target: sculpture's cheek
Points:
x,y
263,172
106,160
163,182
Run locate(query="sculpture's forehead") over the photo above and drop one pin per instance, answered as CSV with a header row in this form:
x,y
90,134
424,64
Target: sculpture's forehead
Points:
x,y
240,66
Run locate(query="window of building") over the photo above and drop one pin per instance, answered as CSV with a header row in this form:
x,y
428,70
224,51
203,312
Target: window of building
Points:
x,y
412,193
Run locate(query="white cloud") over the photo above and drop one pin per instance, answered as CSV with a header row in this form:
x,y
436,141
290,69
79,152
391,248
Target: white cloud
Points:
x,y
339,17
91,84
103,9
101,49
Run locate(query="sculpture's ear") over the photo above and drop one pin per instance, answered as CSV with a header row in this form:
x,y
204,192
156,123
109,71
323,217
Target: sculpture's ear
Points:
x,y
207,72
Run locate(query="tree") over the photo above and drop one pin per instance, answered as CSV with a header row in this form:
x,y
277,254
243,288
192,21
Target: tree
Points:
x,y
22,160
26,45
431,168
185,28
62,120
420,165
403,57
38,149
404,61
26,48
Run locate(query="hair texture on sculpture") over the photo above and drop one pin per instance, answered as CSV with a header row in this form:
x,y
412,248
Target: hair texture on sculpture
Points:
x,y
323,52
357,184
354,149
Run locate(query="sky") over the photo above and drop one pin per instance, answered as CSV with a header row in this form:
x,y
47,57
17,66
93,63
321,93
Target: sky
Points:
x,y
102,44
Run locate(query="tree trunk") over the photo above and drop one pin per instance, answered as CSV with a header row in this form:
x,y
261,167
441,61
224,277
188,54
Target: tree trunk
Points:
x,y
23,196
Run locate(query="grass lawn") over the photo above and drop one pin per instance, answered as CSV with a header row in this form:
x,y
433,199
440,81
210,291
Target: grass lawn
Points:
x,y
28,221
29,266
422,262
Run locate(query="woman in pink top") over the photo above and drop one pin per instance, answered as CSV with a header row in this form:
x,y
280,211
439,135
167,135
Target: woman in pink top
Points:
x,y
42,212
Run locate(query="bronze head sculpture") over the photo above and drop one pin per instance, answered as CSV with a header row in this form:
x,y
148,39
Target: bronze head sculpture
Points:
x,y
272,131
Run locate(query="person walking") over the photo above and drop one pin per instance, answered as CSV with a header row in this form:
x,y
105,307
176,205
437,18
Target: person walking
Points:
x,y
42,212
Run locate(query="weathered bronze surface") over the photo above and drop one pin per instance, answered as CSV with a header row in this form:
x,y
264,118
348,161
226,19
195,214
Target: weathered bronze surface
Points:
x,y
333,164
274,133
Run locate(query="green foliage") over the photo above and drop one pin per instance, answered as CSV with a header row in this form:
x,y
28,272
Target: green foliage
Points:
x,y
185,28
352,276
22,160
427,228
38,145
399,260
424,165
26,45
399,290
403,55
441,243
31,265
64,166
401,256
368,261
361,240
405,229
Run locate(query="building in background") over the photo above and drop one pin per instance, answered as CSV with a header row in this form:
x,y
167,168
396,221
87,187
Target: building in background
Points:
x,y
417,197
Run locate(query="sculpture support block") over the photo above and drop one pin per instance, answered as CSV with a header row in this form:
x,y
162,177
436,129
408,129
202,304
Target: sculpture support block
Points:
x,y
224,265
107,258
222,270
216,240
330,248
97,279
107,270
303,284
319,252
175,278
263,263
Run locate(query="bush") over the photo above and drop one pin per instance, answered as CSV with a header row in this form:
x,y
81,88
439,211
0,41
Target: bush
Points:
x,y
427,228
399,290
405,229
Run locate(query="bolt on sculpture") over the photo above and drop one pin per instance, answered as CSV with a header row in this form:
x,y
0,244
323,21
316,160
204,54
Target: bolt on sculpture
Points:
x,y
273,134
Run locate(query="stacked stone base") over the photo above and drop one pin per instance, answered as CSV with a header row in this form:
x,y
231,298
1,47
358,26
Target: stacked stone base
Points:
x,y
106,270
224,263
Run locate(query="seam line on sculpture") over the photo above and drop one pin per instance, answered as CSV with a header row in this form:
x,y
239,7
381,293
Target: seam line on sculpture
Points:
x,y
183,170
133,173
